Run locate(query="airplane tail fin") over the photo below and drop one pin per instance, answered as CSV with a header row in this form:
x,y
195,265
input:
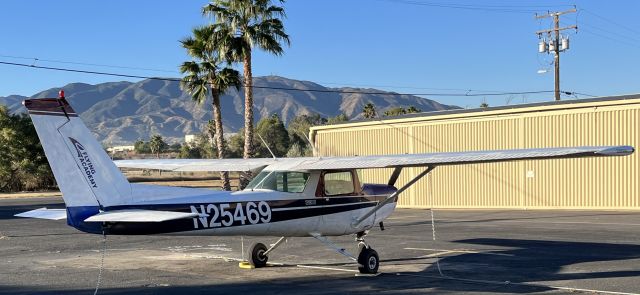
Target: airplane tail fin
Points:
x,y
86,175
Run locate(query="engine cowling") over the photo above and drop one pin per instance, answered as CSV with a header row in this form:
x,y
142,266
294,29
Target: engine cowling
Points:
x,y
373,189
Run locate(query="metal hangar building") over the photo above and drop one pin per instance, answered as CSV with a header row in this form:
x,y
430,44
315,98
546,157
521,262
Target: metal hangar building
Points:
x,y
584,183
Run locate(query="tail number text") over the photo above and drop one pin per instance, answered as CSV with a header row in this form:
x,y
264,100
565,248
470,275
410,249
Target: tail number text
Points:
x,y
221,215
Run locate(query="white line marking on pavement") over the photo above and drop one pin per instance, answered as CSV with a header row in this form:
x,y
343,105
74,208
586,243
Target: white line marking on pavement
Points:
x,y
326,268
437,254
447,251
401,217
480,222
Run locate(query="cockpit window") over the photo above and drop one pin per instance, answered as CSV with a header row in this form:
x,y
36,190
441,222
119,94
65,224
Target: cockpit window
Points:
x,y
338,183
282,181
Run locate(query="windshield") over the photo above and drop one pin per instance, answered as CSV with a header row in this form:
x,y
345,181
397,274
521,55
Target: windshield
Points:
x,y
282,181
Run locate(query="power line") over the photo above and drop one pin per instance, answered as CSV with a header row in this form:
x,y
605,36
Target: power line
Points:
x,y
36,59
578,93
478,7
404,87
467,94
621,38
610,32
610,21
610,38
86,72
398,94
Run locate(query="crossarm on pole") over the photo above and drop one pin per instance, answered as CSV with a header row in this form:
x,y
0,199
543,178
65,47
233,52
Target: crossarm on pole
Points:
x,y
392,196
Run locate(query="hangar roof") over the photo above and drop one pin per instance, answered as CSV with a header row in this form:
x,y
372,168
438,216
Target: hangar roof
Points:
x,y
498,110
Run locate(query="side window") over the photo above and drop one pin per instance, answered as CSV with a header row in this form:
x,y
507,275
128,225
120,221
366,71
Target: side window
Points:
x,y
338,183
286,181
291,182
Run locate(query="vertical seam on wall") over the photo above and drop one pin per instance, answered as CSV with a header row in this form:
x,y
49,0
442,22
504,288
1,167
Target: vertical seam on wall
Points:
x,y
522,164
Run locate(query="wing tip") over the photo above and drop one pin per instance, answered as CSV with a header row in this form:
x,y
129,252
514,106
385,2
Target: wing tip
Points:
x,y
622,150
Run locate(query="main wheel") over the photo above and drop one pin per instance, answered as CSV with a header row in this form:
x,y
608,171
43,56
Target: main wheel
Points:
x,y
368,261
256,251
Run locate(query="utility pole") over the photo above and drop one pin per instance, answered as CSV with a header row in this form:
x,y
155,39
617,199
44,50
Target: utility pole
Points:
x,y
557,44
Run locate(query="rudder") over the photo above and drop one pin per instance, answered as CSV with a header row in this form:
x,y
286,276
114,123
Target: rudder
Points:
x,y
86,175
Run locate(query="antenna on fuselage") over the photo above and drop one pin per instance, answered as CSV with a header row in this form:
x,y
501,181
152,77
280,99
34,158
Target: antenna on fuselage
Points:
x,y
266,145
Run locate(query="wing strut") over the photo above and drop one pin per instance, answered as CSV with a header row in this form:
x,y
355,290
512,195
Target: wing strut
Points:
x,y
394,175
392,196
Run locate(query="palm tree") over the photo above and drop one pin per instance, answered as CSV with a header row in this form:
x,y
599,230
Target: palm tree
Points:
x,y
157,145
205,75
249,23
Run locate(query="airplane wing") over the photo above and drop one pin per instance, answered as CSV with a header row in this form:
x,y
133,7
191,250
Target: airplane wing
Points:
x,y
458,158
433,160
139,215
44,213
378,161
239,165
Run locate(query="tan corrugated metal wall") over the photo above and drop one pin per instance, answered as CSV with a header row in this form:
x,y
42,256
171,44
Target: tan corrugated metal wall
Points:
x,y
603,183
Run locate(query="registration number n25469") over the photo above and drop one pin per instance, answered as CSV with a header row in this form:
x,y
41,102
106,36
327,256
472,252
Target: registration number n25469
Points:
x,y
224,214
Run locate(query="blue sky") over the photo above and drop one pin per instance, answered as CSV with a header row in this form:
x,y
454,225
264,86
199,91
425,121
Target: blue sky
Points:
x,y
397,45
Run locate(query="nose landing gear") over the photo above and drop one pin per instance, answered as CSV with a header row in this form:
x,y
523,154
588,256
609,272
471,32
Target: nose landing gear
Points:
x,y
368,261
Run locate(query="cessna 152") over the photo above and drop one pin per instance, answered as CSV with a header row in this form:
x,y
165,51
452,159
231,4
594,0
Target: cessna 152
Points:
x,y
294,197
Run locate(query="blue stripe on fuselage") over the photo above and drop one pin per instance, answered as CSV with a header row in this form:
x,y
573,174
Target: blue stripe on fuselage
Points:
x,y
77,214
288,210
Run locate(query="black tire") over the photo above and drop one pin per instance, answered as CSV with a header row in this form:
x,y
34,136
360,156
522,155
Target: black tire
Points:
x,y
368,261
256,252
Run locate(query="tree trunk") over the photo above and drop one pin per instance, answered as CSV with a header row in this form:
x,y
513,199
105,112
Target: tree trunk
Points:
x,y
219,137
248,115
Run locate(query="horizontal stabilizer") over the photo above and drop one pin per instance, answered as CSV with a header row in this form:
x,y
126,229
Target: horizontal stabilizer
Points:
x,y
44,213
139,215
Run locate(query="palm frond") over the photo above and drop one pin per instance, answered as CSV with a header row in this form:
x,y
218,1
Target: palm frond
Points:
x,y
227,77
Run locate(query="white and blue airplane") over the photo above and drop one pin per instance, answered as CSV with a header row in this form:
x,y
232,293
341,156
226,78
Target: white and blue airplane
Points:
x,y
314,197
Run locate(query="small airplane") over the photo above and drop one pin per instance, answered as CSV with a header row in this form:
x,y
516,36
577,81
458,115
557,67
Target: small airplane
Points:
x,y
315,197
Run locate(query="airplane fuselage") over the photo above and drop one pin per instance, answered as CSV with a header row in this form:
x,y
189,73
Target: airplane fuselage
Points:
x,y
257,212
300,217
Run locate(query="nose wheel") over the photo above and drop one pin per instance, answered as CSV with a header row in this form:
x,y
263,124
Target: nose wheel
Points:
x,y
368,261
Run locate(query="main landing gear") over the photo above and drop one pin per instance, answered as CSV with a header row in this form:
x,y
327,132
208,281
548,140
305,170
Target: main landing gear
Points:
x,y
368,260
257,258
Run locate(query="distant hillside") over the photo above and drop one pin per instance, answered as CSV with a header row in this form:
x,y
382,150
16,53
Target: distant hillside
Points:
x,y
123,112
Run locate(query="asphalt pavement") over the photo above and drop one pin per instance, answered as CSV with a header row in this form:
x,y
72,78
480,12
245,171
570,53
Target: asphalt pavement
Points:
x,y
475,252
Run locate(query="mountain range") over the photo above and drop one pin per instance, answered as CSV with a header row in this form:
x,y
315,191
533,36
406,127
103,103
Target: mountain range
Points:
x,y
122,112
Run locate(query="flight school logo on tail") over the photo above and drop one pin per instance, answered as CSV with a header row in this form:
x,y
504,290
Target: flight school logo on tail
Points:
x,y
85,162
